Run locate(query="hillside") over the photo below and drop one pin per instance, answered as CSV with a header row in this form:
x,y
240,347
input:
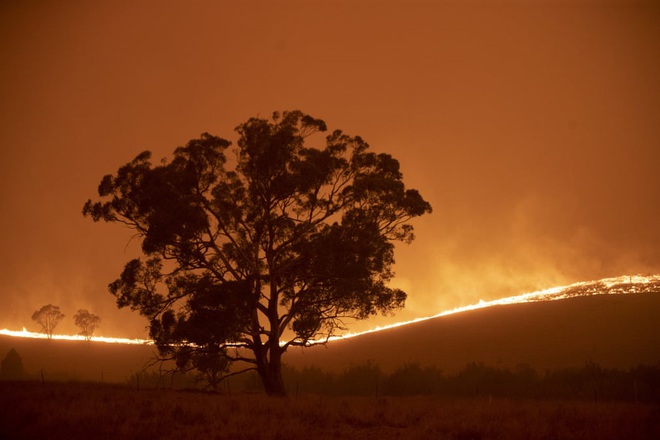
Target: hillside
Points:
x,y
615,330
78,360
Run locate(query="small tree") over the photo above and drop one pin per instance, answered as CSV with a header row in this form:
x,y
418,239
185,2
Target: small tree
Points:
x,y
12,366
87,323
48,317
275,245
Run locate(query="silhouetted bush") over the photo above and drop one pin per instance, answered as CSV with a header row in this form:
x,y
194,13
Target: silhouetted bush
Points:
x,y
360,380
310,380
12,366
412,379
646,383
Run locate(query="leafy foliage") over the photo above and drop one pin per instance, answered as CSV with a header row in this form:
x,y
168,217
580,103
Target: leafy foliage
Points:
x,y
48,317
285,244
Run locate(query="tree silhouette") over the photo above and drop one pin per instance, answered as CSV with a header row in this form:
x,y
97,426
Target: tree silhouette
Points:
x,y
271,247
48,317
12,366
87,323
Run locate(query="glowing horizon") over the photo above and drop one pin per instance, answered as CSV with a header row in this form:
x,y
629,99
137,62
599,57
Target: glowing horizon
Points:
x,y
550,294
37,335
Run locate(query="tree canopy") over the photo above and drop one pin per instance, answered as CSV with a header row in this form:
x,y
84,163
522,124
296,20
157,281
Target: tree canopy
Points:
x,y
275,245
48,317
87,322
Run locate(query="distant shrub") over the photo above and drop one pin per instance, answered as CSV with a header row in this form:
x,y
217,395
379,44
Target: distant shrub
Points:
x,y
412,379
361,380
309,380
12,366
591,382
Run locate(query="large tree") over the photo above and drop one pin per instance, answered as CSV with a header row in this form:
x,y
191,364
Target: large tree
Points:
x,y
48,317
250,253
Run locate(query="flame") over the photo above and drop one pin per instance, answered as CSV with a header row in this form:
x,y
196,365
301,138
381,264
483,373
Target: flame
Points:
x,y
35,335
608,286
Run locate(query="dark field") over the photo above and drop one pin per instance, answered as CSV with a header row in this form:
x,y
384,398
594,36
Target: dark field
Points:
x,y
30,410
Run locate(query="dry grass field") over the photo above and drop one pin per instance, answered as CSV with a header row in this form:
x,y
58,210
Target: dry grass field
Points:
x,y
30,410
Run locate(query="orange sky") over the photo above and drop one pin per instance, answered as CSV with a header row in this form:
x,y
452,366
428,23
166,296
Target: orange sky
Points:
x,y
534,131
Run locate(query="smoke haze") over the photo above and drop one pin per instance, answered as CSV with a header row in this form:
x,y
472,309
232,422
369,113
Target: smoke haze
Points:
x,y
531,129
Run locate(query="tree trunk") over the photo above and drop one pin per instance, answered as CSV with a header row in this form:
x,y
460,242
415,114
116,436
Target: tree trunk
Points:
x,y
270,372
271,368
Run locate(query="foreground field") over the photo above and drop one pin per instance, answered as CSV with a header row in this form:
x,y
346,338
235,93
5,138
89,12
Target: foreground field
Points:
x,y
80,411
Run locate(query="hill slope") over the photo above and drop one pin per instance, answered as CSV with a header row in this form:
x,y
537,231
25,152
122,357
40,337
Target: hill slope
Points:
x,y
613,330
78,360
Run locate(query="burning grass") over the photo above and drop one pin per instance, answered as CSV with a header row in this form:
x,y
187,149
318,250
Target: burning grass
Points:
x,y
76,411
